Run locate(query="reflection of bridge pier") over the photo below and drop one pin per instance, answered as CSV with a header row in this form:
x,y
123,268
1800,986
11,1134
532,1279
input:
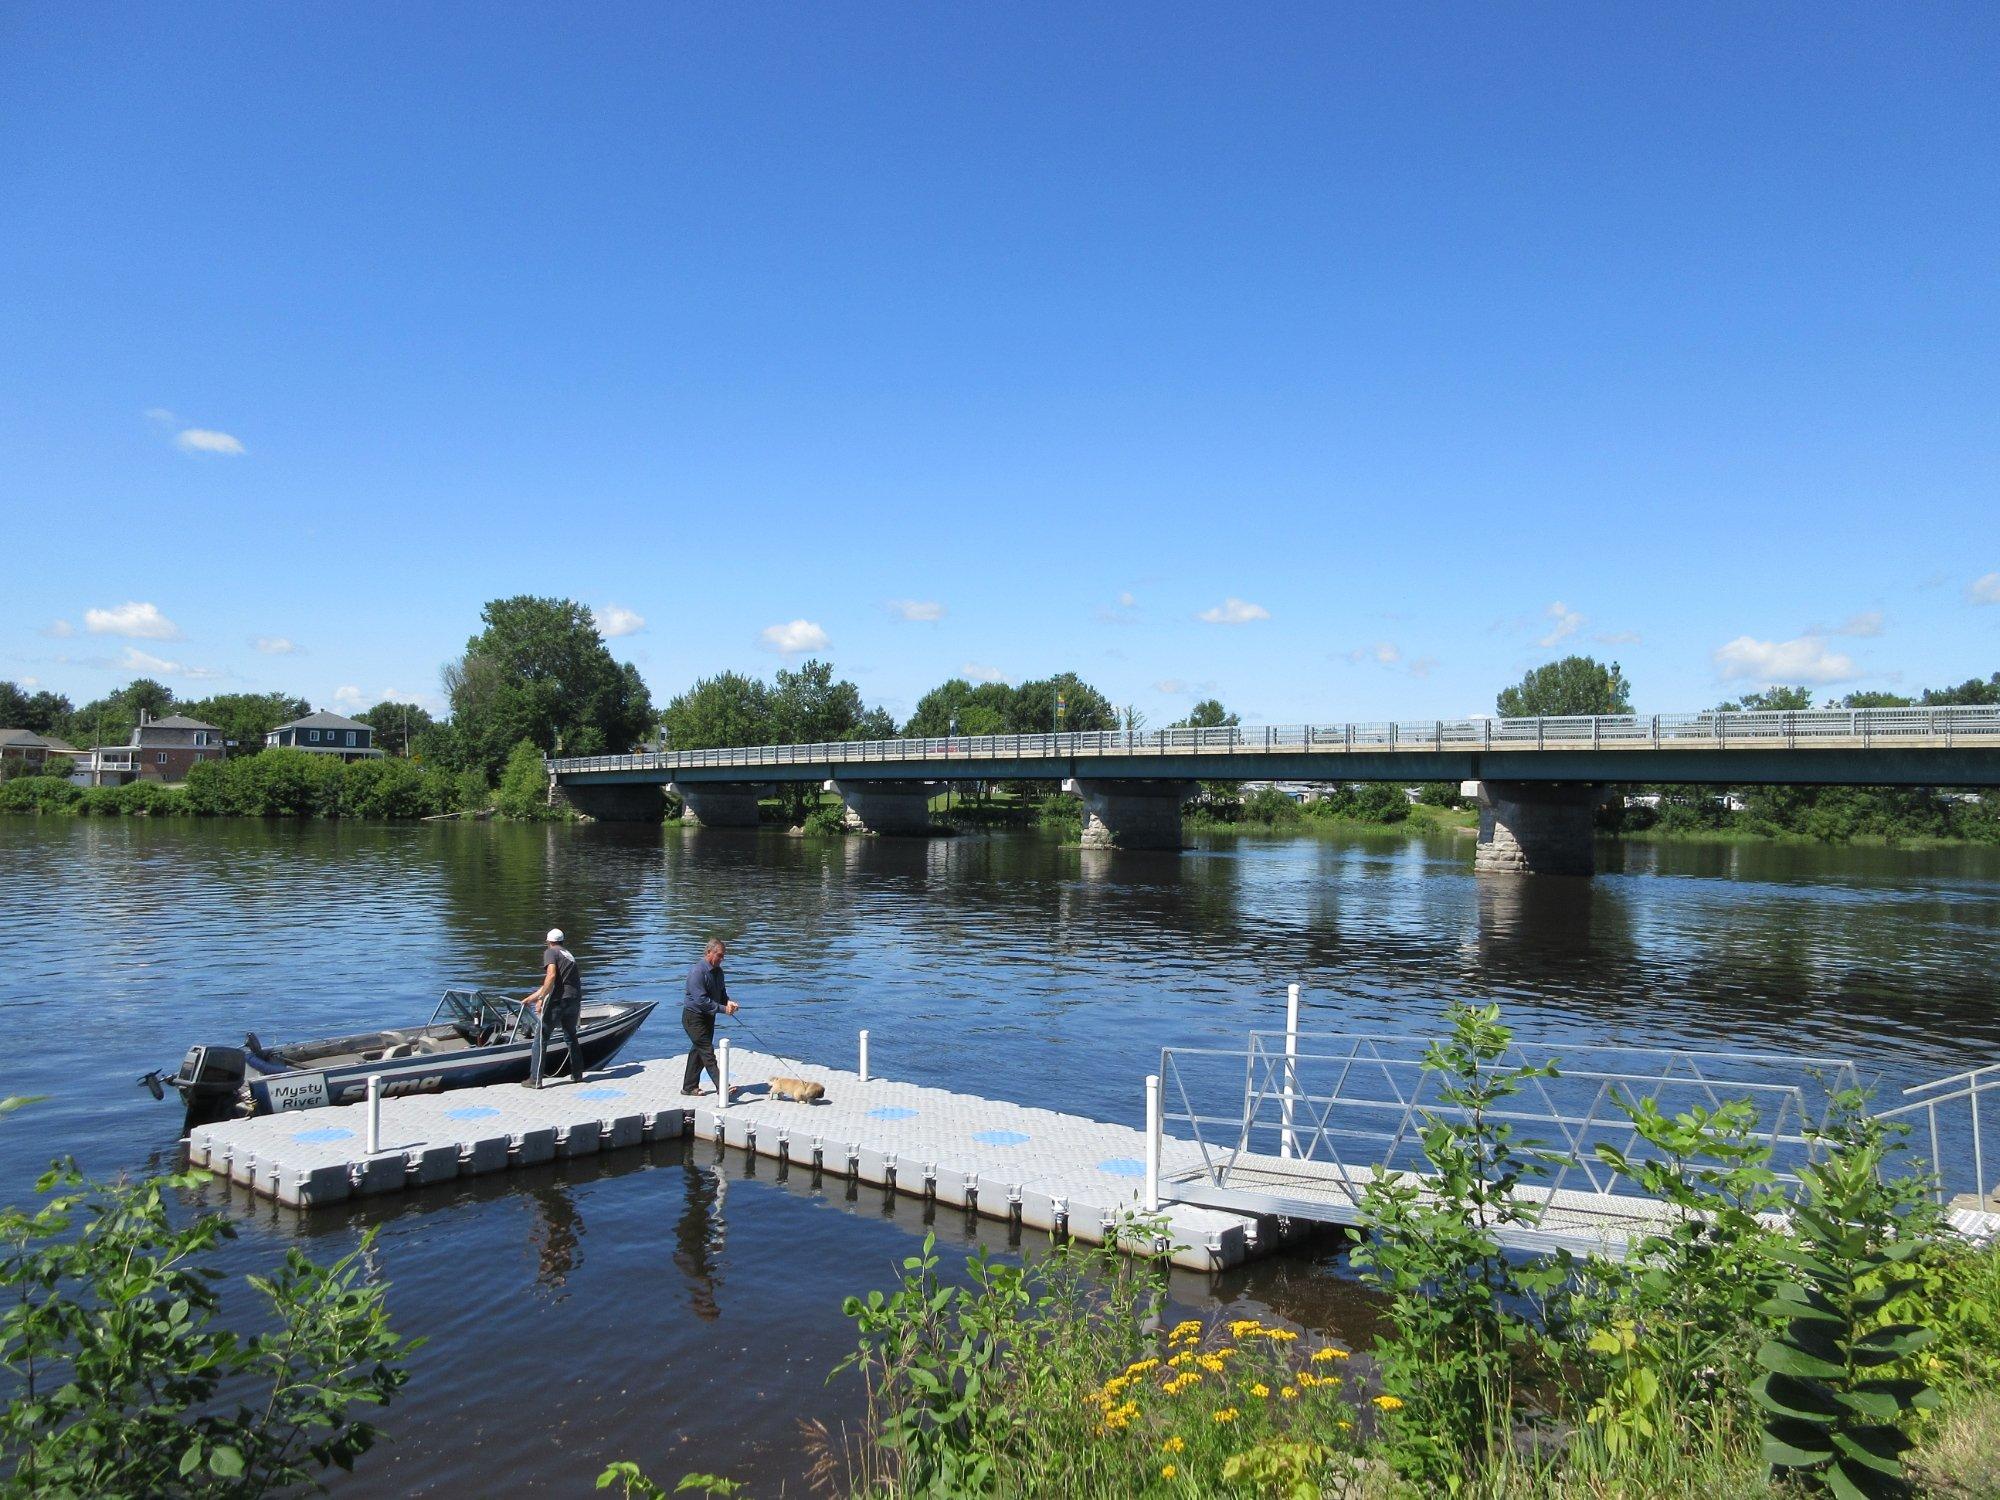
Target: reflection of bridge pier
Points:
x,y
717,804
893,807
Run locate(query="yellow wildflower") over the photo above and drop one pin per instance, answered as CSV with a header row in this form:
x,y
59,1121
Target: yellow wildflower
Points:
x,y
1282,1335
1260,1390
1211,1363
1167,1471
1227,1414
1225,1352
1321,1356
1190,1328
1289,1393
1174,1444
1140,1367
1243,1327
1389,1403
1343,1424
1185,1357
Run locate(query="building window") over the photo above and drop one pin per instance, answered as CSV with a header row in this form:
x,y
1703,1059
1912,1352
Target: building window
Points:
x,y
314,733
201,737
161,758
350,736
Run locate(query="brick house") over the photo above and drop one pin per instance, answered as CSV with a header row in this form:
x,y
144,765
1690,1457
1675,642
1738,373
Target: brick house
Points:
x,y
326,734
160,750
47,754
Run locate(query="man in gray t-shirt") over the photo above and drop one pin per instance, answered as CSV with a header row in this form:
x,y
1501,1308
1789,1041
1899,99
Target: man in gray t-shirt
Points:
x,y
559,1002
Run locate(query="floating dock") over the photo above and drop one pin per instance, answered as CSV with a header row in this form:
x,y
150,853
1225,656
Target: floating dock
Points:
x,y
1048,1171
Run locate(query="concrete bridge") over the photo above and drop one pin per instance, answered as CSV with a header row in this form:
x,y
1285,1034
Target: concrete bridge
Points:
x,y
1537,781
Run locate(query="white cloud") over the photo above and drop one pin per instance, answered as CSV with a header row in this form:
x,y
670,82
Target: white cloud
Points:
x,y
136,660
616,620
1387,653
919,610
1126,601
1234,611
794,637
1563,623
30,683
347,695
275,645
1984,590
1804,660
60,629
1170,685
206,440
1867,623
974,671
159,416
1617,638
1423,666
141,622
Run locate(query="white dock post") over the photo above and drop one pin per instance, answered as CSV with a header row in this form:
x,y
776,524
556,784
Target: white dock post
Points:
x,y
1288,1144
374,1113
722,1073
864,1057
1152,1143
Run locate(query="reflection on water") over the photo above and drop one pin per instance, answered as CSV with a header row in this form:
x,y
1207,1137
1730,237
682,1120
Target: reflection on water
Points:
x,y
595,1309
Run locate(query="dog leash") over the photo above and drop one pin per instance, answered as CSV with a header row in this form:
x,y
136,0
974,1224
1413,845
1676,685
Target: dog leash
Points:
x,y
751,1031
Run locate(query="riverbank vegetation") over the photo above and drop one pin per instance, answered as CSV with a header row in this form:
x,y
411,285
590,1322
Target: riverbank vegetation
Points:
x,y
125,1371
1840,1341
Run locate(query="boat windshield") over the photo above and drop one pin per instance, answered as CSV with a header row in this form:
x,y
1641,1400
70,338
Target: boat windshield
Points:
x,y
482,1017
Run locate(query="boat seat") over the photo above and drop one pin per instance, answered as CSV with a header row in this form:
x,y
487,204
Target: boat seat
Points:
x,y
401,1049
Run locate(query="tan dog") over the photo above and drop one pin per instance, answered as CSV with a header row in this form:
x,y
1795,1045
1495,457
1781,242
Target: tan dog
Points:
x,y
798,1090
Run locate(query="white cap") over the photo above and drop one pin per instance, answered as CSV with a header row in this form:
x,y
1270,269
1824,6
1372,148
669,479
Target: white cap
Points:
x,y
555,935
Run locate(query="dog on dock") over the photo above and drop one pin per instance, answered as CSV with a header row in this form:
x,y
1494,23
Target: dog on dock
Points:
x,y
798,1090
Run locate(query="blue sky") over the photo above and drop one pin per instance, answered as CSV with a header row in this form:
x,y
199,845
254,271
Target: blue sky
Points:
x,y
1342,362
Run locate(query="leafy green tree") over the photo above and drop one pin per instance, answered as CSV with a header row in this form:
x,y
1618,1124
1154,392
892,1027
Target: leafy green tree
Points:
x,y
808,706
540,672
245,718
439,745
1875,699
955,706
720,712
124,1379
1208,714
396,725
110,720
524,786
1574,685
1971,691
1774,700
1033,706
47,713
13,707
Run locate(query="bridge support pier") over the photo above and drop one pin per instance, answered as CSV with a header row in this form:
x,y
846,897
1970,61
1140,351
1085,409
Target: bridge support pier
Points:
x,y
892,807
615,802
1535,828
1131,814
716,804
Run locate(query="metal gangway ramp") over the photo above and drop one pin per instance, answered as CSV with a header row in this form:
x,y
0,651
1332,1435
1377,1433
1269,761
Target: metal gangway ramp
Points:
x,y
1296,1124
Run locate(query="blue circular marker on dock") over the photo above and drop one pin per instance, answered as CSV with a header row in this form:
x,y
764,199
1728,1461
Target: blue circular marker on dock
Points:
x,y
600,1093
1000,1137
324,1133
892,1112
471,1112
1122,1166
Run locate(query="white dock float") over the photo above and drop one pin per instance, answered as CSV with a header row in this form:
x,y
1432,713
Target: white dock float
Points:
x,y
1005,1161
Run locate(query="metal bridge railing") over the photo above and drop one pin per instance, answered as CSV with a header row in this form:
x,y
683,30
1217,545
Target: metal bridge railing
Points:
x,y
1858,728
1353,1102
1947,1118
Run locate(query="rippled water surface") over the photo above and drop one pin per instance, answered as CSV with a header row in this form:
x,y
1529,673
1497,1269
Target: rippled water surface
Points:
x,y
684,1311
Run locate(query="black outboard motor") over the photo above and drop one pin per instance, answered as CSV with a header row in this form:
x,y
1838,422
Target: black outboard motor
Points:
x,y
211,1083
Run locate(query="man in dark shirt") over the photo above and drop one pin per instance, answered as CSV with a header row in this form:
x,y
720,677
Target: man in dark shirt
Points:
x,y
707,997
559,1002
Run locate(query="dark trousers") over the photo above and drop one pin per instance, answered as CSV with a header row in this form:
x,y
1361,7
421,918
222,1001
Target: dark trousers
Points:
x,y
561,1015
701,1050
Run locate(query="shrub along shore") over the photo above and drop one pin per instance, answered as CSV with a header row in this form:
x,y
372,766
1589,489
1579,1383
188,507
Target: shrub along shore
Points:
x,y
1837,1341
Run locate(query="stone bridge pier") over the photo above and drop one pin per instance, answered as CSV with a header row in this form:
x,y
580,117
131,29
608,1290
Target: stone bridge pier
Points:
x,y
716,804
1131,814
892,807
618,802
1535,828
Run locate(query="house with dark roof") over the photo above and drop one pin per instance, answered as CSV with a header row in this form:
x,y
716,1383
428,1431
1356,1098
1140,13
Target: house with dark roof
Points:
x,y
160,750
326,734
44,753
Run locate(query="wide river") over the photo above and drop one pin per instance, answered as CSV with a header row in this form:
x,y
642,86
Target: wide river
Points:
x,y
663,1306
